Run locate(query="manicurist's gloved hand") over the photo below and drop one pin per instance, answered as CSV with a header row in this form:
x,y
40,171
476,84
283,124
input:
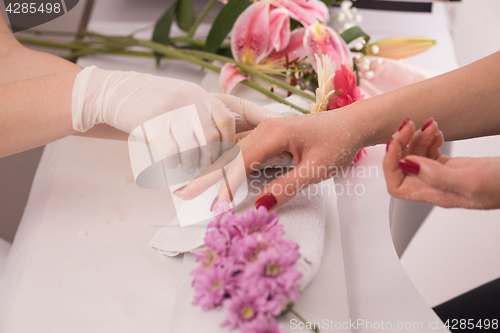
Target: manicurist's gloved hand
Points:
x,y
126,100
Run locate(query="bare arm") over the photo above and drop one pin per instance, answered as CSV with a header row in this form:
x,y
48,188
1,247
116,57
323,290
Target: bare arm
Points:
x,y
27,79
465,103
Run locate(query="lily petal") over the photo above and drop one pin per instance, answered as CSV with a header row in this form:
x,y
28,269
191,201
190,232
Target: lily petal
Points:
x,y
295,48
230,76
250,34
320,39
296,12
400,47
279,26
317,8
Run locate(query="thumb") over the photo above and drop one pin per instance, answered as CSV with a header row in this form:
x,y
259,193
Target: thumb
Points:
x,y
435,174
250,114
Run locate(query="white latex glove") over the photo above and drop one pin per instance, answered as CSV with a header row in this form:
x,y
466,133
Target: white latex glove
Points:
x,y
125,100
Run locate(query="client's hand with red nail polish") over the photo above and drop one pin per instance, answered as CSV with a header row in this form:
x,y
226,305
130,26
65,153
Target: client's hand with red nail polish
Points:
x,y
415,170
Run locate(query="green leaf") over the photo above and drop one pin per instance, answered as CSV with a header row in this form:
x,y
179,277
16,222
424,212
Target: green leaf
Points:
x,y
354,33
328,3
184,14
224,23
295,24
161,33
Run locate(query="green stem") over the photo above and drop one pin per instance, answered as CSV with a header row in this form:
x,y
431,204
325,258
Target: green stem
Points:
x,y
200,18
49,43
252,71
183,55
167,51
189,40
296,314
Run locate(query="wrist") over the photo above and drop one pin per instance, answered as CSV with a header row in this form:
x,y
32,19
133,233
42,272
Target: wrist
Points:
x,y
367,123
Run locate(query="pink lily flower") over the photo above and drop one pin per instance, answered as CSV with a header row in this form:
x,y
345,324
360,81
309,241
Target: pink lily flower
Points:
x,y
320,39
261,37
306,12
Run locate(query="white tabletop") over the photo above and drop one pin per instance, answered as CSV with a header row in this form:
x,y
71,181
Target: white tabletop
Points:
x,y
81,260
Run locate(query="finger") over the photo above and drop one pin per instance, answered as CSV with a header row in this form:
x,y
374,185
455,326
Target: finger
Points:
x,y
241,135
404,135
250,113
282,189
397,146
434,147
183,135
255,152
203,143
224,121
437,175
393,174
421,139
161,141
414,189
210,176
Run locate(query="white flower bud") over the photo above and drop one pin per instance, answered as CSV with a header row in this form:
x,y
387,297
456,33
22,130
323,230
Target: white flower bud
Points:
x,y
346,26
346,5
358,18
380,61
369,75
341,17
358,46
375,49
363,67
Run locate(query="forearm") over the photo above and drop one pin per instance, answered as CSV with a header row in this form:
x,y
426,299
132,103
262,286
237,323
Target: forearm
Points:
x,y
35,112
465,103
18,63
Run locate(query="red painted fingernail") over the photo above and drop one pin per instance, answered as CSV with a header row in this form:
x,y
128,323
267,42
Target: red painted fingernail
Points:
x,y
267,200
427,123
403,124
214,203
388,143
179,189
409,166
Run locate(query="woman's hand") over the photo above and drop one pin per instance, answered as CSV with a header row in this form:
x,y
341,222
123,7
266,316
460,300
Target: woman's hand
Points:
x,y
415,170
320,144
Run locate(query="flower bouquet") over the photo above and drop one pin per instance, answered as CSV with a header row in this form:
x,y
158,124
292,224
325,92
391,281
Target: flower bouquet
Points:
x,y
277,47
248,268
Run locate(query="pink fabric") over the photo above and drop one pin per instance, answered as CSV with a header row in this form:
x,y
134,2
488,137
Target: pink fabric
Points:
x,y
390,75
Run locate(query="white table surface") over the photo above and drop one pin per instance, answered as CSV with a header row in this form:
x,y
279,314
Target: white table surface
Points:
x,y
80,237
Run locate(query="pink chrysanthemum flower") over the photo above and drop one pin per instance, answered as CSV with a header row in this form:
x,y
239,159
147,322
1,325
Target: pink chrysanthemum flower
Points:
x,y
225,221
248,248
211,286
261,324
346,88
244,306
274,270
261,221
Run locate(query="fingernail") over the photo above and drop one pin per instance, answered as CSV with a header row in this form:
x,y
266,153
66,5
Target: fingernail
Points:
x,y
267,200
214,203
179,189
403,124
388,143
409,166
427,123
